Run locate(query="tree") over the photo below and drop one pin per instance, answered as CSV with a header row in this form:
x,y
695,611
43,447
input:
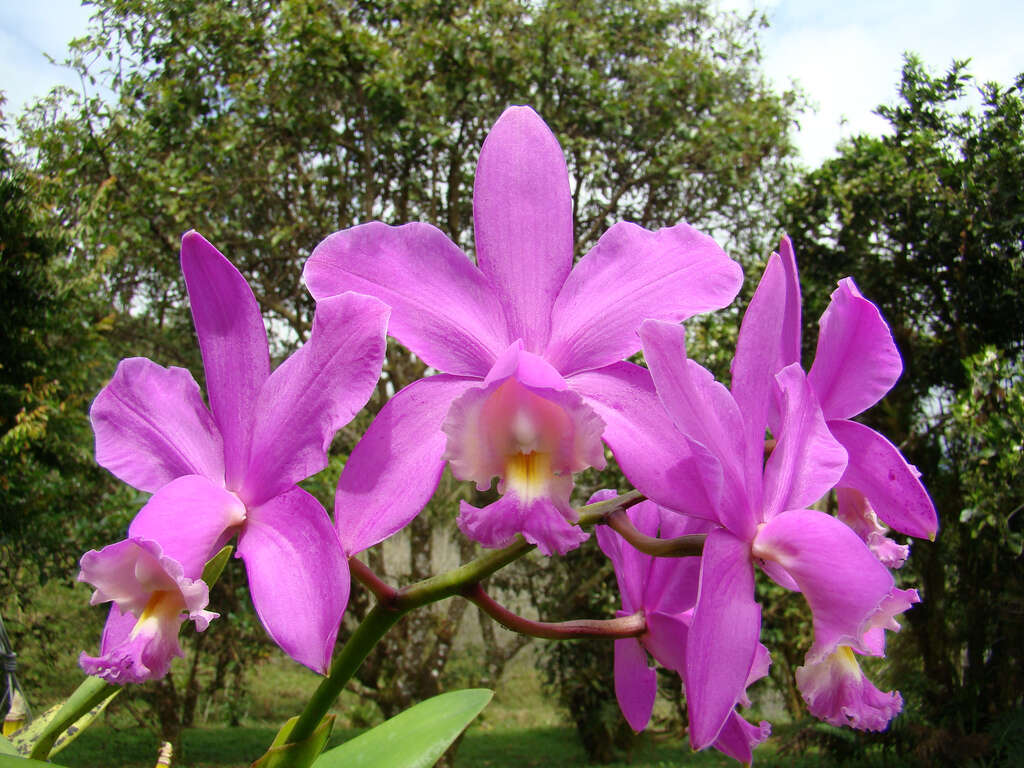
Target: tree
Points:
x,y
930,221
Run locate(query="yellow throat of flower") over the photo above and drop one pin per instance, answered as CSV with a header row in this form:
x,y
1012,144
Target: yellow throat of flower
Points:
x,y
528,474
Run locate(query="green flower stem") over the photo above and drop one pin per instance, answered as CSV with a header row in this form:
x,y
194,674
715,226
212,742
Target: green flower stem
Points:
x,y
612,629
683,546
89,694
393,604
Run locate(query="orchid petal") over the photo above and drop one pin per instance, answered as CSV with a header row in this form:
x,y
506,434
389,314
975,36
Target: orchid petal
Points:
x,y
738,737
541,521
878,470
856,362
657,460
522,213
191,518
151,426
723,638
233,342
394,469
807,461
632,567
298,575
636,683
769,340
633,274
314,393
843,582
854,510
704,411
666,639
443,308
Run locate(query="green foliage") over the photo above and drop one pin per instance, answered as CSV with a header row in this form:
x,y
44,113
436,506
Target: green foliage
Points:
x,y
415,738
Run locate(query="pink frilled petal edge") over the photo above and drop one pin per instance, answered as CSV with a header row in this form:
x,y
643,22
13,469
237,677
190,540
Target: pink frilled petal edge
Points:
x,y
394,469
151,426
633,274
522,214
891,485
192,519
541,521
656,458
233,341
723,638
856,362
298,575
635,683
314,393
836,690
443,308
738,737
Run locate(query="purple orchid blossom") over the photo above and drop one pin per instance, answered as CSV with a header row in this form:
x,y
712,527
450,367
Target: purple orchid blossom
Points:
x,y
151,599
714,468
233,468
855,365
665,591
526,343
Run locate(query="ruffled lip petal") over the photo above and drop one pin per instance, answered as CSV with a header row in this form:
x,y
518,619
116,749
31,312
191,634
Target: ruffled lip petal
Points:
x,y
630,275
152,426
837,691
298,575
522,214
233,341
314,393
443,308
541,521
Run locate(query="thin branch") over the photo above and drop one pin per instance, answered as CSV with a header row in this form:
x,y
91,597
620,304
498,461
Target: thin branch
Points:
x,y
683,546
362,573
626,626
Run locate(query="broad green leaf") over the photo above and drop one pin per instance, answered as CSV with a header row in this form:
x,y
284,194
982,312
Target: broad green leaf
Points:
x,y
50,732
7,761
6,748
415,738
300,754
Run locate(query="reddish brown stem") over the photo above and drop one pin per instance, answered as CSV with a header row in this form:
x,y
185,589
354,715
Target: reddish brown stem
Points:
x,y
683,546
627,626
385,593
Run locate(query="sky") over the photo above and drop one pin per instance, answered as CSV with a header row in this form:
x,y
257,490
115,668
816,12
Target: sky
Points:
x,y
845,57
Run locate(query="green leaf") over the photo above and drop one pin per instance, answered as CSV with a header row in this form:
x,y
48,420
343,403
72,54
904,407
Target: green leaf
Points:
x,y
7,761
214,566
50,732
300,754
6,748
415,738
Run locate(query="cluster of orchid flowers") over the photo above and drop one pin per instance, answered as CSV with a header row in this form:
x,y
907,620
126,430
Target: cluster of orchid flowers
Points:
x,y
531,384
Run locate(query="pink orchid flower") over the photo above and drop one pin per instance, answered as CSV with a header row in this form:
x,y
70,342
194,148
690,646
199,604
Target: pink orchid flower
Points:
x,y
232,468
525,343
713,467
151,599
664,589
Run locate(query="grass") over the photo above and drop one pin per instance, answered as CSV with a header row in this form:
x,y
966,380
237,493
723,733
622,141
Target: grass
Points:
x,y
522,727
